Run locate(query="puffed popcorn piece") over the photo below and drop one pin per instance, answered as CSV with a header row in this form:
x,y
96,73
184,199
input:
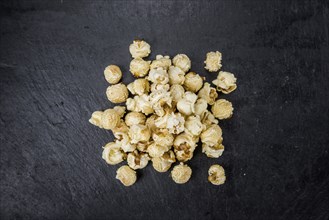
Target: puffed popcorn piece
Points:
x,y
117,93
207,118
213,151
163,163
155,87
175,123
139,67
186,104
181,173
119,129
142,146
164,138
96,119
161,61
159,100
139,49
140,104
193,125
132,105
225,82
222,109
177,92
112,74
212,135
139,133
158,76
160,122
134,118
156,150
144,104
139,87
184,146
216,174
176,75
150,123
200,106
126,175
110,119
113,154
137,160
208,93
193,82
121,110
182,61
213,61
123,140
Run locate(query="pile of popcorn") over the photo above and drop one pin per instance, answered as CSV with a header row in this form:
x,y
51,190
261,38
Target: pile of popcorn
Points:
x,y
166,115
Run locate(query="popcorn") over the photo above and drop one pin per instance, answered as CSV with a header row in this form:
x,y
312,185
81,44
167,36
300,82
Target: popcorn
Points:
x,y
139,49
225,82
193,82
126,175
161,61
134,118
112,74
213,61
222,109
208,93
181,173
117,93
163,163
137,160
113,154
166,115
182,61
139,67
216,175
139,87
176,75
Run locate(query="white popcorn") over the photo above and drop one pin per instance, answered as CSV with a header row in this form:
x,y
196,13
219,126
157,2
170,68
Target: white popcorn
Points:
x,y
225,82
139,49
175,123
181,173
139,133
161,61
193,82
139,67
213,61
137,160
112,153
112,74
216,175
193,125
117,93
139,87
176,75
212,135
163,163
158,76
222,109
186,104
134,118
200,106
126,175
159,100
208,93
184,146
182,61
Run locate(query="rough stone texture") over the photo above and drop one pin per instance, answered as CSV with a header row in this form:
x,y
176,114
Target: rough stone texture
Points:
x,y
52,54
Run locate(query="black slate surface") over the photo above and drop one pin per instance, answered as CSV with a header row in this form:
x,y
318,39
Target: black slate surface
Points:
x,y
52,54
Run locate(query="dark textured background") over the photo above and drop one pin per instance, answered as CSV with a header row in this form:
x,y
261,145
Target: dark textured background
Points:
x,y
52,56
